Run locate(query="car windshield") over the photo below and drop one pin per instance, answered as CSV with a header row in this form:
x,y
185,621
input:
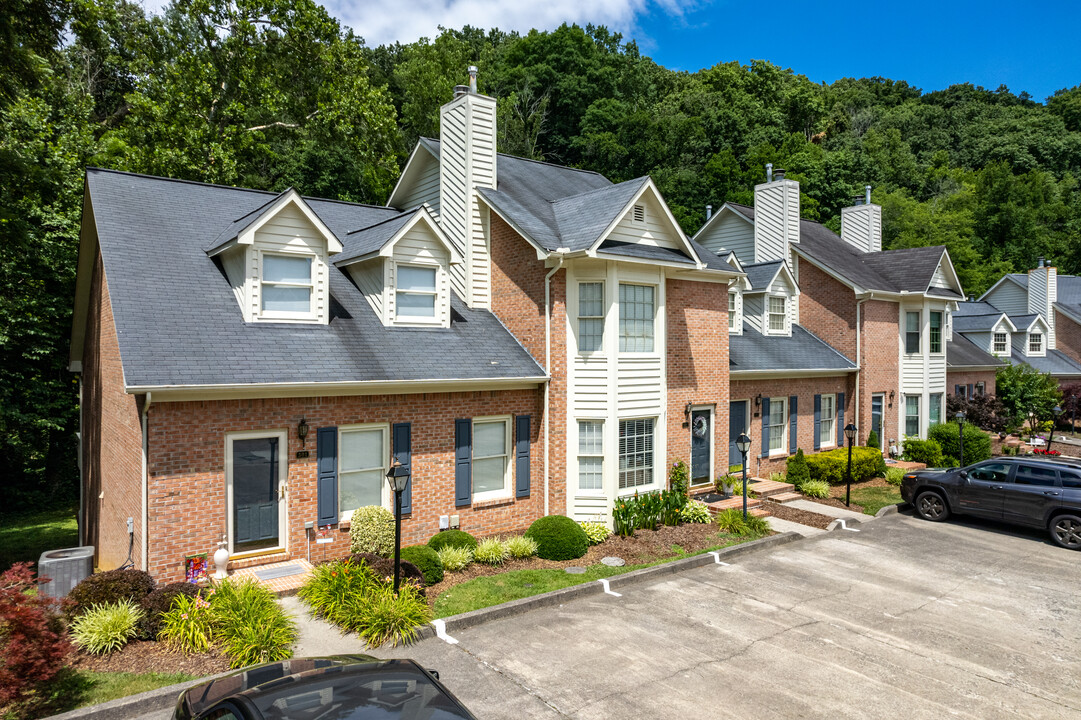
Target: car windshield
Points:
x,y
375,692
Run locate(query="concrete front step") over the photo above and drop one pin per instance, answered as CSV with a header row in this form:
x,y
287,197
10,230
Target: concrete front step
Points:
x,y
786,497
769,488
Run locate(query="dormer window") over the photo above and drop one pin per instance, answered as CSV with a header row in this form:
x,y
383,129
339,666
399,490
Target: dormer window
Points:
x,y
732,311
778,312
416,293
1035,343
1001,340
286,286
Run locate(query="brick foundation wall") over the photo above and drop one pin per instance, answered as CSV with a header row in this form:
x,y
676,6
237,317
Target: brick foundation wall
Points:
x,y
188,480
971,378
1068,336
879,368
805,389
112,438
697,363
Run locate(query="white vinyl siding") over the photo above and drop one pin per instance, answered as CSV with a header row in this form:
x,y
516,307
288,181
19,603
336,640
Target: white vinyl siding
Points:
x,y
417,292
827,425
362,458
730,232
1001,342
425,187
645,223
590,455
590,316
912,415
276,291
778,424
636,318
778,313
491,440
776,220
635,453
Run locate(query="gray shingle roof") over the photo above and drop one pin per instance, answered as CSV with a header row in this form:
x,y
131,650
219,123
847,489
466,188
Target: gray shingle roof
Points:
x,y
760,275
638,250
372,239
711,259
975,323
242,223
1056,363
1022,322
178,322
582,218
962,352
975,308
803,351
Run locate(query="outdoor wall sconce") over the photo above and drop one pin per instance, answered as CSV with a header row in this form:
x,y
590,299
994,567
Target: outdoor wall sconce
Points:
x,y
302,431
891,398
758,400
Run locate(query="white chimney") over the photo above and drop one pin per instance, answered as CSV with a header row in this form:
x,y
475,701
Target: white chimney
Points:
x,y
861,224
1042,294
776,216
467,161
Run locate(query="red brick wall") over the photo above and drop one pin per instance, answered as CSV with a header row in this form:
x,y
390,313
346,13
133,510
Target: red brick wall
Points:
x,y
880,367
697,363
518,301
188,483
1067,336
805,389
954,378
827,308
112,438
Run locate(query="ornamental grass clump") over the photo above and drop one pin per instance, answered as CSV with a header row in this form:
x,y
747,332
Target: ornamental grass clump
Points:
x,y
188,624
105,628
249,623
596,532
371,530
384,617
558,538
519,546
455,558
159,602
815,488
491,551
695,511
733,523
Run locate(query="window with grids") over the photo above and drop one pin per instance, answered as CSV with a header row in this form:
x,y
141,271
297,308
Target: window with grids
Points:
x,y
1000,343
590,316
1035,343
362,464
827,420
635,453
731,311
590,455
912,415
635,318
778,415
286,284
777,314
490,457
912,333
935,339
415,294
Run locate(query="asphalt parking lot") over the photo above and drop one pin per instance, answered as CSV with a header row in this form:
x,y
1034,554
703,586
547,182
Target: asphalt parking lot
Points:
x,y
903,619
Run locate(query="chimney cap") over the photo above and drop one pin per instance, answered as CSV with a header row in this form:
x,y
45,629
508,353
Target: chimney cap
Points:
x,y
1041,262
778,174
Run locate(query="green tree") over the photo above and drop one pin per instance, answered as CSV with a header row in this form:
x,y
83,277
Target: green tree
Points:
x,y
1027,394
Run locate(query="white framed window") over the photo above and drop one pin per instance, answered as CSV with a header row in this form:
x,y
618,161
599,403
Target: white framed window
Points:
x,y
416,294
827,420
636,318
732,311
935,331
934,409
778,314
590,455
285,285
912,415
1001,340
778,422
590,316
1035,343
912,333
362,465
635,453
981,388
491,443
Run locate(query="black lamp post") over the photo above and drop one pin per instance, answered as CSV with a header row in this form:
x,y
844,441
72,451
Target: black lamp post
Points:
x,y
1056,411
960,416
397,478
743,444
850,435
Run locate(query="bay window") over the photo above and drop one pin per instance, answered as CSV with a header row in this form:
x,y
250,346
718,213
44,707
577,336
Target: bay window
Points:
x,y
912,415
935,340
912,333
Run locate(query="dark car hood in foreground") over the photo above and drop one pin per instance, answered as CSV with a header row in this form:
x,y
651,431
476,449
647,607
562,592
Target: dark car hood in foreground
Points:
x,y
336,687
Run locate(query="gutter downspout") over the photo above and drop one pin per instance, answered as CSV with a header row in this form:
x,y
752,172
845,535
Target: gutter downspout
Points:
x,y
81,520
859,366
548,369
146,485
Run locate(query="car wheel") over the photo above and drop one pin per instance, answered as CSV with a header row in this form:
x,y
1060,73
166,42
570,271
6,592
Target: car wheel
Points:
x,y
932,506
1066,531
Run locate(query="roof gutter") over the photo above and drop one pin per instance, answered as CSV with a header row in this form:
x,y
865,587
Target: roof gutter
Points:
x,y
548,368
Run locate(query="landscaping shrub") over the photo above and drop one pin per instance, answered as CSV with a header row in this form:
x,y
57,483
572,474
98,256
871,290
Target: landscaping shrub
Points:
x,y
815,488
371,530
777,477
624,516
490,551
188,624
32,641
796,469
737,487
383,617
159,602
330,587
873,440
679,479
733,523
456,558
426,560
880,470
522,547
250,625
672,503
101,629
452,538
596,532
558,538
756,526
695,512
106,588
894,476
384,567
947,435
832,466
928,452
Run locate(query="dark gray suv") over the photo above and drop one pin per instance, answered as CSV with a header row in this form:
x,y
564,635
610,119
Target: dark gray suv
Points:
x,y
1040,493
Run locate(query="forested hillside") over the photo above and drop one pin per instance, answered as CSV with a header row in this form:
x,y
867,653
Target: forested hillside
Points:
x,y
270,94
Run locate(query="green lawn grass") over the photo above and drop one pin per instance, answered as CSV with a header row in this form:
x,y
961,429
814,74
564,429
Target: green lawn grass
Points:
x,y
874,499
491,590
73,689
24,536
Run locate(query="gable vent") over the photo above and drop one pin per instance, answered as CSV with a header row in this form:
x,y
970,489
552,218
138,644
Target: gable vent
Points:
x,y
640,213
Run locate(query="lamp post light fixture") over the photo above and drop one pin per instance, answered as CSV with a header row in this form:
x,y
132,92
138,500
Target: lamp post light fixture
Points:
x,y
1056,411
397,478
960,417
743,444
850,435
302,430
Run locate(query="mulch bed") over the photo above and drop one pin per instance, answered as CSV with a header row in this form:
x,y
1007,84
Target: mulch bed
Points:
x,y
642,547
837,494
804,517
145,656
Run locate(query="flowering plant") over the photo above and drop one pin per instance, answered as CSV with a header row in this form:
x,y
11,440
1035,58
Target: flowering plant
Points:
x,y
1045,451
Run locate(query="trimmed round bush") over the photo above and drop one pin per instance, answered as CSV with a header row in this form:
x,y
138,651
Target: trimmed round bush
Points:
x,y
452,538
109,588
490,551
371,530
104,628
159,602
426,560
558,538
456,558
947,435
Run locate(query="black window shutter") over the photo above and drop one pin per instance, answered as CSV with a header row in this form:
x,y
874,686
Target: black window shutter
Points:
x,y
765,427
402,451
326,452
840,419
818,421
792,414
463,462
521,456
957,391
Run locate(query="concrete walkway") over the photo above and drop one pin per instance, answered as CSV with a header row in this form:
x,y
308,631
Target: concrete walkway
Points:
x,y
781,526
318,637
828,510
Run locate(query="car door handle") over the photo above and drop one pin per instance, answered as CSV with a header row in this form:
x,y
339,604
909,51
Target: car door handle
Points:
x,y
996,487
1050,492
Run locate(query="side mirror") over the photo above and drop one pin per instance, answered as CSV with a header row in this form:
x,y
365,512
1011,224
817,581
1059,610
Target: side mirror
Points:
x,y
964,474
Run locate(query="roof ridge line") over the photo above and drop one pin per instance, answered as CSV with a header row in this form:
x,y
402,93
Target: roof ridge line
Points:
x,y
525,159
597,190
410,211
